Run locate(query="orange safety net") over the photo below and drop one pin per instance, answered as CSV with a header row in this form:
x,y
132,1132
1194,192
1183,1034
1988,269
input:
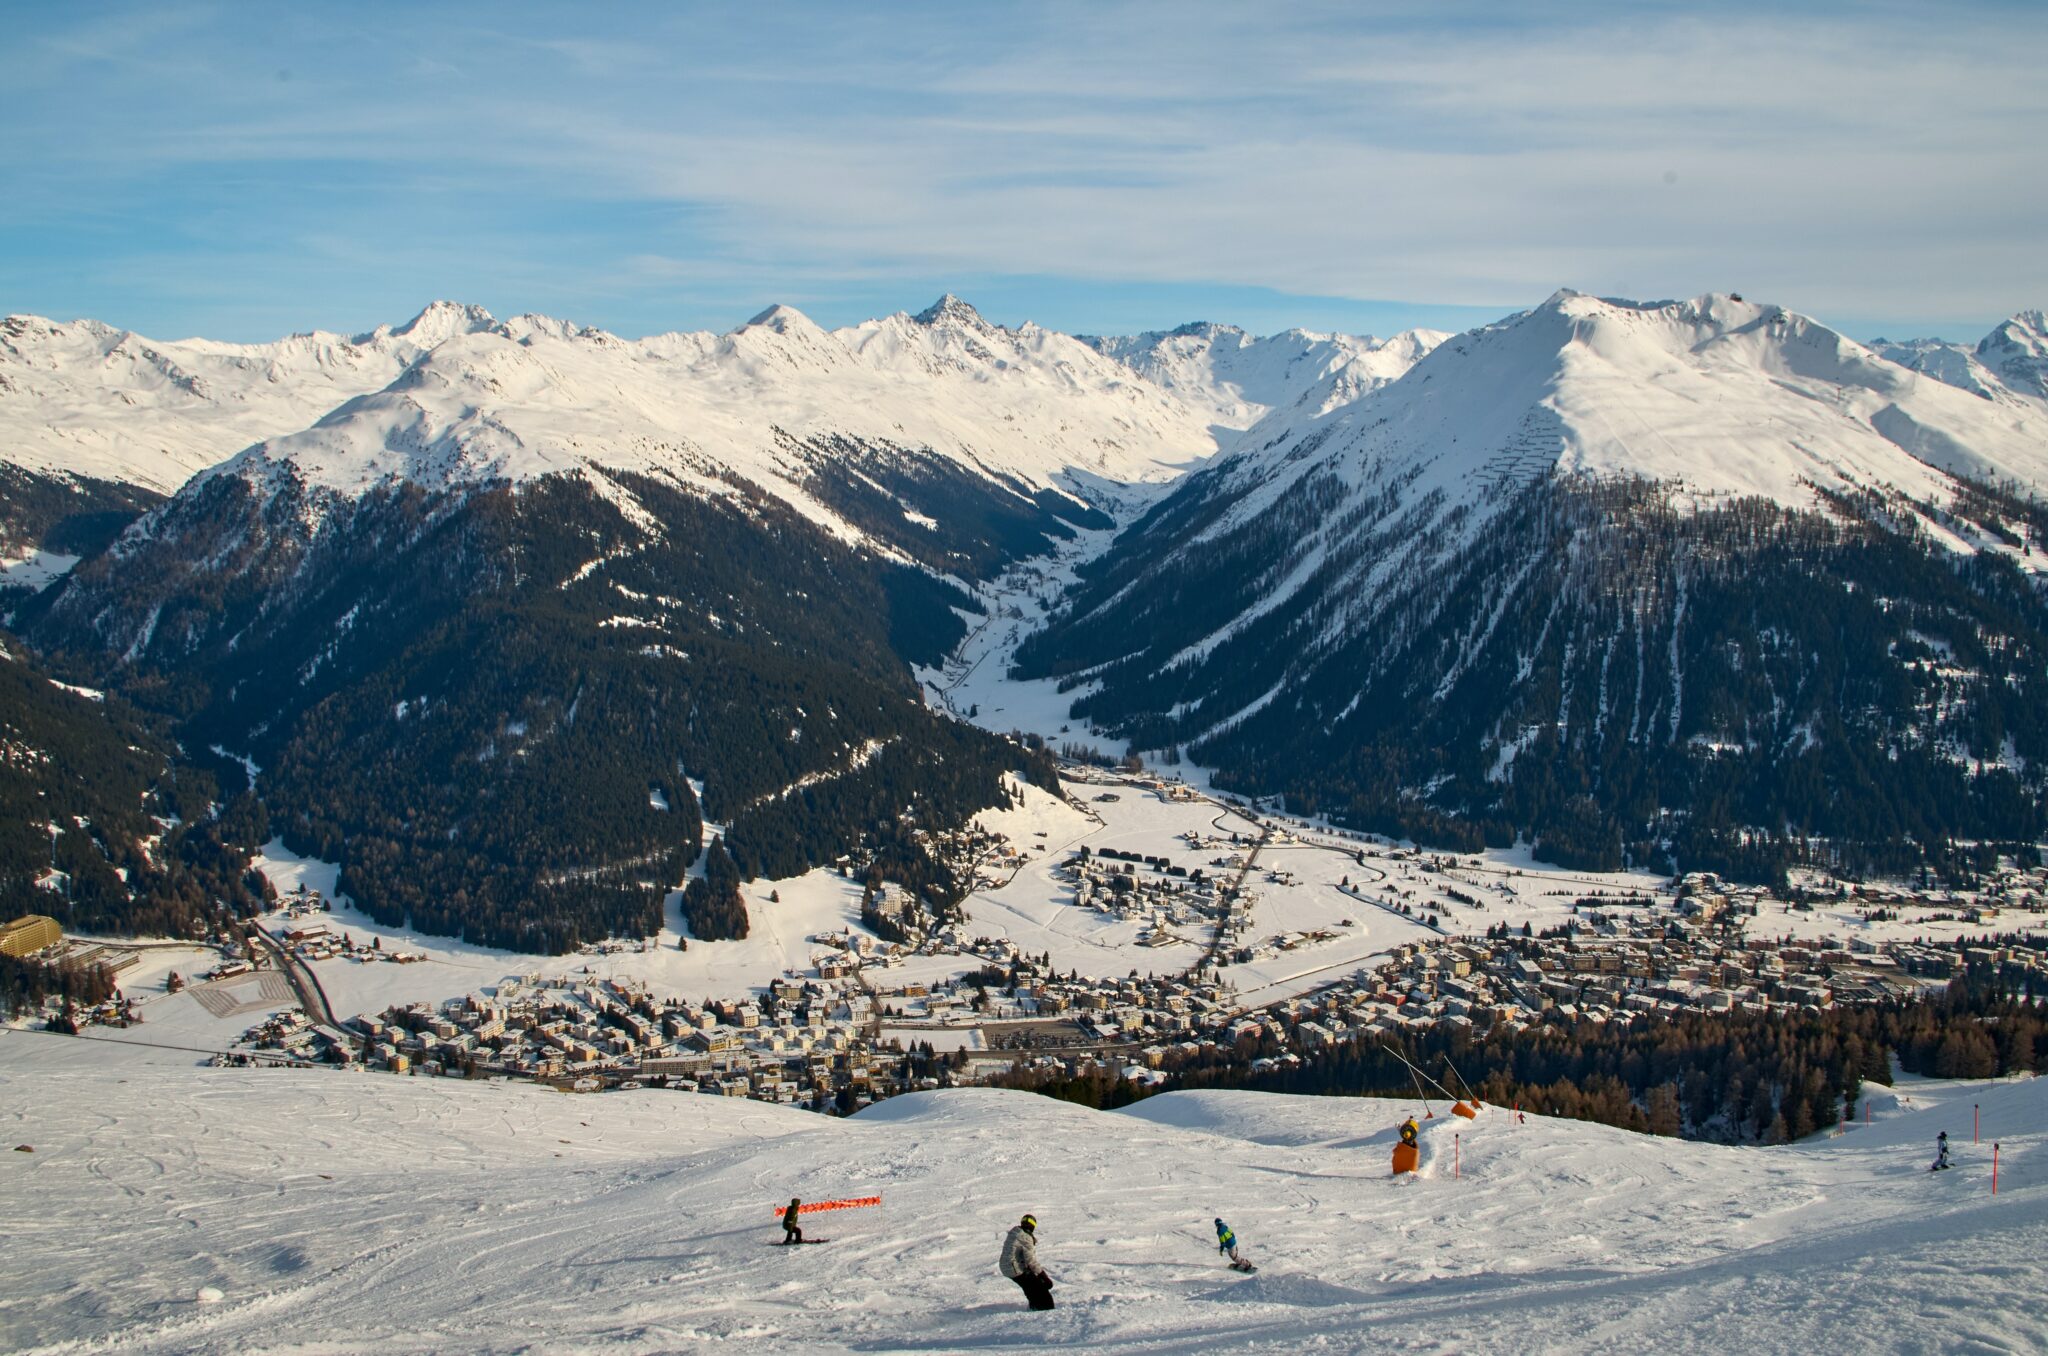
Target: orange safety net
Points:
x,y
813,1207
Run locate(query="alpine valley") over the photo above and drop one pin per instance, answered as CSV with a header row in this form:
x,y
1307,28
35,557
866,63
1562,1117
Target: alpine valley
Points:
x,y
524,624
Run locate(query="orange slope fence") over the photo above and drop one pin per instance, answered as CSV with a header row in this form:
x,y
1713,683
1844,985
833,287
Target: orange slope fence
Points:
x,y
814,1207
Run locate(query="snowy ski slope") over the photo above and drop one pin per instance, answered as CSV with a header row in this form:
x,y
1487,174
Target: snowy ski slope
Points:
x,y
360,1213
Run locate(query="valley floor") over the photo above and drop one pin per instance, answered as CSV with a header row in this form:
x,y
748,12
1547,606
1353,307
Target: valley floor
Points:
x,y
340,1213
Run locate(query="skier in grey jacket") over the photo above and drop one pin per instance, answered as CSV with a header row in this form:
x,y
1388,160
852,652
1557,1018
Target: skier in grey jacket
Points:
x,y
1020,1263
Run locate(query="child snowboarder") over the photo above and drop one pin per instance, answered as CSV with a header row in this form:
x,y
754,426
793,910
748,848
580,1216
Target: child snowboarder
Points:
x,y
1226,1243
1940,1152
1020,1263
790,1232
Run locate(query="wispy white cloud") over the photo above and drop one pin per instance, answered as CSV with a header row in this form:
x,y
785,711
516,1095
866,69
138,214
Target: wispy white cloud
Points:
x,y
1859,161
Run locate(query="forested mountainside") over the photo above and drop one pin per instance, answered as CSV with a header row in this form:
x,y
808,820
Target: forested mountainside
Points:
x,y
1693,583
65,515
490,703
1680,582
101,825
487,617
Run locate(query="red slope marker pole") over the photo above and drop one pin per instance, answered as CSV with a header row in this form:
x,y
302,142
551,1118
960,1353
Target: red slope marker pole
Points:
x,y
1457,1158
1976,1119
1994,1167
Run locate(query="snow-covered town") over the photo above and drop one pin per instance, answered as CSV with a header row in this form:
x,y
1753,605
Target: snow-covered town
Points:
x,y
1128,929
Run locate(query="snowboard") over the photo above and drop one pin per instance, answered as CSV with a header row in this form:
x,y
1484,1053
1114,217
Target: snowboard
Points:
x,y
1246,1267
802,1242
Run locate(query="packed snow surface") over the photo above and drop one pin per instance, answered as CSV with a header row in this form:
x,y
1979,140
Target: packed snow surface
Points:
x,y
342,1212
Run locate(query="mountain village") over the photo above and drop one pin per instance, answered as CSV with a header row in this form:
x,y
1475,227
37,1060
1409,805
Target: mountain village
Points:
x,y
858,1024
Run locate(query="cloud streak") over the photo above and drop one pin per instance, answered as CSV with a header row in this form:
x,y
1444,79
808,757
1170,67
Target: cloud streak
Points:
x,y
1869,164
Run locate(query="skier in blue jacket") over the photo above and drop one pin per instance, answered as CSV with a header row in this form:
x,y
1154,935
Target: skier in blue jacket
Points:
x,y
1226,1241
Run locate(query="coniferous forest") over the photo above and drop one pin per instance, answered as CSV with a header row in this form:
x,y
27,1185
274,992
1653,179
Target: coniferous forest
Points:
x,y
508,714
104,827
1733,689
1738,1078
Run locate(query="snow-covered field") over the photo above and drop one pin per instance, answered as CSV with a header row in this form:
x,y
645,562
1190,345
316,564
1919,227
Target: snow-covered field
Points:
x,y
816,902
338,1212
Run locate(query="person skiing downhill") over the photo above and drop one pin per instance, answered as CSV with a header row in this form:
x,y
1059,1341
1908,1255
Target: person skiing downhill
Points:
x,y
1020,1263
790,1232
1940,1152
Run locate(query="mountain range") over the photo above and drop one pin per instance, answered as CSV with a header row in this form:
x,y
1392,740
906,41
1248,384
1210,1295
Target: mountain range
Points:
x,y
1636,580
508,612
527,603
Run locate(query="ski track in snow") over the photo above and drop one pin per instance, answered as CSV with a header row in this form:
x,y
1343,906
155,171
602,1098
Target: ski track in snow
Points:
x,y
355,1213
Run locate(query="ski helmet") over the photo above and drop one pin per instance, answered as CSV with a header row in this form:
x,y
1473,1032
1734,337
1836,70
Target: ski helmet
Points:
x,y
1031,1222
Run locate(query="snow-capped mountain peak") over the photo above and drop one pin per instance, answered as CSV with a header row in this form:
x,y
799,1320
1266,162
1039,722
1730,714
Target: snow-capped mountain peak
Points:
x,y
951,310
438,322
2017,351
1244,381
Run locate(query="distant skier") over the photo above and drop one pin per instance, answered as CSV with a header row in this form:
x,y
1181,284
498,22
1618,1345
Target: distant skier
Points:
x,y
790,1232
1020,1263
1940,1152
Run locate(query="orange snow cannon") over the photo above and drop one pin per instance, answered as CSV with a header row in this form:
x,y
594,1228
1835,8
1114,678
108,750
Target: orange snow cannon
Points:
x,y
1407,1158
1469,1110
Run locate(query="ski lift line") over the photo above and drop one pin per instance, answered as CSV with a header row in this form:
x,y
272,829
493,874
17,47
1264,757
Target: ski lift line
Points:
x,y
265,1056
1470,1095
1427,1112
1419,1074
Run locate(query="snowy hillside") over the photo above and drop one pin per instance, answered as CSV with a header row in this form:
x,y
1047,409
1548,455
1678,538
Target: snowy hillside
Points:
x,y
766,402
1241,378
85,398
343,1212
2010,362
1725,398
1568,531
2018,352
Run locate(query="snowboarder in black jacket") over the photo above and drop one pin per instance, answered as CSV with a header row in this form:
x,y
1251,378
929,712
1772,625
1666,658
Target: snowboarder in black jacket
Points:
x,y
790,1232
1940,1152
1020,1263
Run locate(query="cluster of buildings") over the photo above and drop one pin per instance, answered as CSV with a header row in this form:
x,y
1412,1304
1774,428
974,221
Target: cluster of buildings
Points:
x,y
1611,963
291,1035
1171,903
36,935
807,1040
309,937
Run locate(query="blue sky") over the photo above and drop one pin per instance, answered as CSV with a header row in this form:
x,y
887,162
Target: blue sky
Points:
x,y
244,171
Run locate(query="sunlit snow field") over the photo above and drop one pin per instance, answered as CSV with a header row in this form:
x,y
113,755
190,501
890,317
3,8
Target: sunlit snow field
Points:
x,y
340,1212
